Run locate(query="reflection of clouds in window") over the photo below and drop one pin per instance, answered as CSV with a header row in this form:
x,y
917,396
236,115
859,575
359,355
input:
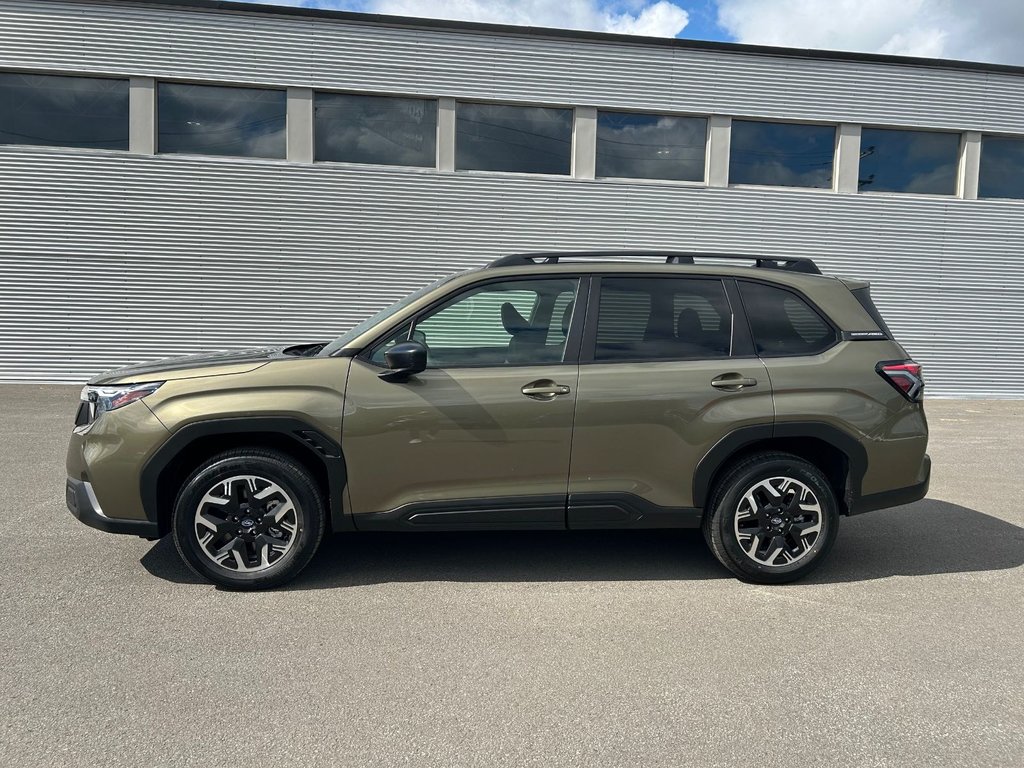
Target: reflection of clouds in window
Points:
x,y
650,146
375,129
1002,167
495,137
922,162
781,154
217,120
53,110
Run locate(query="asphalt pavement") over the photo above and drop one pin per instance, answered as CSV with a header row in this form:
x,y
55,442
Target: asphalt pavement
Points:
x,y
524,649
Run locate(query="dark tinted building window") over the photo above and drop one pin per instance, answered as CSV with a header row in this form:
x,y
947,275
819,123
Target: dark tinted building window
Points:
x,y
56,111
375,129
924,162
1002,167
662,319
642,146
498,137
219,120
781,154
782,323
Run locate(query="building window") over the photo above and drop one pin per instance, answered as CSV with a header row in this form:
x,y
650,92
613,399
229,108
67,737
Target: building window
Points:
x,y
639,146
351,128
1002,167
57,111
782,154
220,120
499,137
922,162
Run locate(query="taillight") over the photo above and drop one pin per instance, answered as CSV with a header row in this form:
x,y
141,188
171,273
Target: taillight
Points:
x,y
905,375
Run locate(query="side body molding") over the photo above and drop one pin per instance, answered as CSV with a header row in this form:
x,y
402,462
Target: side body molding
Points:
x,y
735,441
307,441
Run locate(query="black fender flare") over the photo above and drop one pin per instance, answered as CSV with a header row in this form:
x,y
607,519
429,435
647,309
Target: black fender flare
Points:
x,y
738,439
312,442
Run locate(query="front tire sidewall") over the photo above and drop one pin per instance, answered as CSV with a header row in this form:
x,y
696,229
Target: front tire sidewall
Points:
x,y
295,482
725,510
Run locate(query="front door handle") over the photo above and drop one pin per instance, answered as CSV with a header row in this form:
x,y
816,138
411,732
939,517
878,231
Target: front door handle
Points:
x,y
544,389
733,382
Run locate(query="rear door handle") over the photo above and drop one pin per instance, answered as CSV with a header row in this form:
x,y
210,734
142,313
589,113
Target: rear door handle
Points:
x,y
732,381
544,389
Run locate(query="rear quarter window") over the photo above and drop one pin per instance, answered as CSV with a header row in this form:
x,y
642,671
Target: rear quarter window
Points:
x,y
783,324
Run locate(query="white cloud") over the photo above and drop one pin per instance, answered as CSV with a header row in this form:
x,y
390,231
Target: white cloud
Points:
x,y
656,19
981,30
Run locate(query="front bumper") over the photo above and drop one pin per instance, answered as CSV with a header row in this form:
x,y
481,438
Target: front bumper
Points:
x,y
81,500
897,496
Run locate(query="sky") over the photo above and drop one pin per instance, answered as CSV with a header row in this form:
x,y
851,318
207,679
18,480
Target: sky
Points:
x,y
972,30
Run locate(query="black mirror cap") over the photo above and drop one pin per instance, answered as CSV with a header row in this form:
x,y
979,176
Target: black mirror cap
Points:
x,y
405,359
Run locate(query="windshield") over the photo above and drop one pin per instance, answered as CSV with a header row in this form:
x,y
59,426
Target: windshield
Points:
x,y
351,335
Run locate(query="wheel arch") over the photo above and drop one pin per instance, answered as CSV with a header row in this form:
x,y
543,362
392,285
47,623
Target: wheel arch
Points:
x,y
165,471
839,455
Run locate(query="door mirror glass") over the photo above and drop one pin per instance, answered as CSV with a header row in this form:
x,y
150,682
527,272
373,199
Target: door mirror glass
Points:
x,y
404,360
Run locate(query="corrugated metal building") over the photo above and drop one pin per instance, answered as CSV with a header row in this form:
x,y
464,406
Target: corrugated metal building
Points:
x,y
153,243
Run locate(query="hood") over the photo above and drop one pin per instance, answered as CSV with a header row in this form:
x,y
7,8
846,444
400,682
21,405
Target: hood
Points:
x,y
191,366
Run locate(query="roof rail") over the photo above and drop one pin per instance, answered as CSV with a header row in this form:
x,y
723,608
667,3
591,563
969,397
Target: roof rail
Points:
x,y
788,263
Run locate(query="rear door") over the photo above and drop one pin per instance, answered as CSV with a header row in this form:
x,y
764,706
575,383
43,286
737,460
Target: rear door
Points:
x,y
663,377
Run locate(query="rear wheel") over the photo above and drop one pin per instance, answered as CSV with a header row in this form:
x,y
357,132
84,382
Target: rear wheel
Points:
x,y
248,519
773,518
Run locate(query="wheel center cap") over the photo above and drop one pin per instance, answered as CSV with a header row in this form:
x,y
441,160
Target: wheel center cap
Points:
x,y
776,521
248,522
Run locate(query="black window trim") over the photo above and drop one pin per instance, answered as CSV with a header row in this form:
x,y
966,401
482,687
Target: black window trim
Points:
x,y
572,341
837,333
589,340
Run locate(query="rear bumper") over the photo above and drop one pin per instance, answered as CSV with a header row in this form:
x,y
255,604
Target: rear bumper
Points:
x,y
81,501
896,496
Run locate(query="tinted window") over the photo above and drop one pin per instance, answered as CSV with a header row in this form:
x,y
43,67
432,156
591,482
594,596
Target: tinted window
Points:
x,y
520,322
651,146
924,162
781,154
59,111
217,120
498,137
1002,167
662,319
375,129
782,323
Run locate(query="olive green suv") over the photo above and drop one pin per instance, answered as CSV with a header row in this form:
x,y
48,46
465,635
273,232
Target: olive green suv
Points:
x,y
759,401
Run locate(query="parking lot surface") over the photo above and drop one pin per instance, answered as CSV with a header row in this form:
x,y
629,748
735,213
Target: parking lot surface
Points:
x,y
564,648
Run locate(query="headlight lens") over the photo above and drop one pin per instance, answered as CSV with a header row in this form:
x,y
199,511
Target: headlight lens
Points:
x,y
105,399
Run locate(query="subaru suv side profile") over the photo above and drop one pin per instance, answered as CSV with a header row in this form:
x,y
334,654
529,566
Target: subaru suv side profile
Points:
x,y
549,391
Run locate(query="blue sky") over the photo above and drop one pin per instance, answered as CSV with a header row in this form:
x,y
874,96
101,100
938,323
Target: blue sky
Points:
x,y
973,30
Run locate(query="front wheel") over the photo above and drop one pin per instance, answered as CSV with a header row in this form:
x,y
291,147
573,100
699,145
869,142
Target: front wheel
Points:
x,y
248,519
773,517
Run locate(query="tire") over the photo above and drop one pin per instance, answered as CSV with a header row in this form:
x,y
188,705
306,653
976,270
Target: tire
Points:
x,y
767,501
248,519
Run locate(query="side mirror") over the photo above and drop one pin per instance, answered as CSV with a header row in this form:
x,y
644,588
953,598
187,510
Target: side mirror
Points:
x,y
404,360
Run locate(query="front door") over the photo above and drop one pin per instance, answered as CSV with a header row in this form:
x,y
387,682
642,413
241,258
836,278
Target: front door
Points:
x,y
482,437
663,378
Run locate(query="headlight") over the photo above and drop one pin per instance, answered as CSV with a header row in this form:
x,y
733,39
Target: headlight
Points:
x,y
103,399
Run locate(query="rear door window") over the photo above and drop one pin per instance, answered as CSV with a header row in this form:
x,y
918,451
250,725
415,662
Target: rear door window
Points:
x,y
782,323
662,319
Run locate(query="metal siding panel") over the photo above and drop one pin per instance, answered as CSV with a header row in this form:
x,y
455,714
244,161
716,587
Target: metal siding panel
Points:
x,y
159,41
108,259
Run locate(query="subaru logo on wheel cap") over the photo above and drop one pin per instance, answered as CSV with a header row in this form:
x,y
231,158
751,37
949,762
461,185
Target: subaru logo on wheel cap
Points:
x,y
248,522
